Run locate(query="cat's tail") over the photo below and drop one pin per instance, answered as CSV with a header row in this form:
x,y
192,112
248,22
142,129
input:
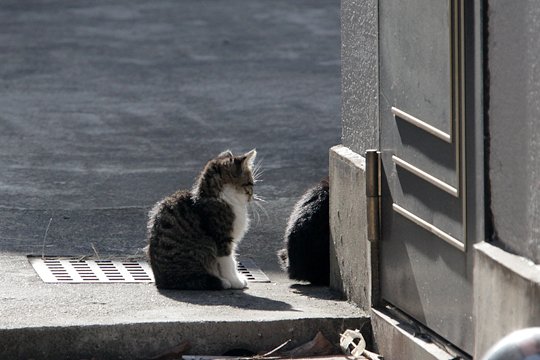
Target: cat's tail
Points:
x,y
194,282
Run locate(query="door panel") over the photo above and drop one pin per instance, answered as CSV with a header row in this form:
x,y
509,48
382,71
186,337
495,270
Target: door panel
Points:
x,y
407,71
424,264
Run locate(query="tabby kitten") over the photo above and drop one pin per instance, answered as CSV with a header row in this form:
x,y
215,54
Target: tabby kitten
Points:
x,y
307,238
193,234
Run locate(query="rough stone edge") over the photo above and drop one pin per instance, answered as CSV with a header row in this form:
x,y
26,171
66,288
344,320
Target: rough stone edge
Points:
x,y
349,156
519,265
506,295
145,340
394,343
350,270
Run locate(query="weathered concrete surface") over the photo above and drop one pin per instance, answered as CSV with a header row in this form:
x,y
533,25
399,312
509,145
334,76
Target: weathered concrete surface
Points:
x,y
506,295
132,321
514,129
107,107
146,340
395,341
351,261
360,74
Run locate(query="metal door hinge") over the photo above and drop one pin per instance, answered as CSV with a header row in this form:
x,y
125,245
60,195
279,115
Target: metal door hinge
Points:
x,y
373,194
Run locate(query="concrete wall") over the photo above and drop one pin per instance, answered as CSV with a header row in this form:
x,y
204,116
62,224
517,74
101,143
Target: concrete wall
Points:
x,y
359,67
351,252
351,260
514,124
506,295
506,286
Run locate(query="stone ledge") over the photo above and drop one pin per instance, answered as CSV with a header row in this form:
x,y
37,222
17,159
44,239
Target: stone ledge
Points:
x,y
351,253
506,295
133,321
394,342
144,340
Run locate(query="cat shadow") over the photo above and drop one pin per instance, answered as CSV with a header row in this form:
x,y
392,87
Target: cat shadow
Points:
x,y
233,298
316,291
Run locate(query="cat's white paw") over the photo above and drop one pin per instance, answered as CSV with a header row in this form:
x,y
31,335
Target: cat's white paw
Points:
x,y
226,283
239,283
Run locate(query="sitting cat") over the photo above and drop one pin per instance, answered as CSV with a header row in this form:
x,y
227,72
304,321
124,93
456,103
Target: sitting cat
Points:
x,y
306,253
193,234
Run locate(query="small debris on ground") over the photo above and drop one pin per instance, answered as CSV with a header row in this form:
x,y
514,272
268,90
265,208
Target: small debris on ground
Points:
x,y
352,343
372,356
319,346
352,346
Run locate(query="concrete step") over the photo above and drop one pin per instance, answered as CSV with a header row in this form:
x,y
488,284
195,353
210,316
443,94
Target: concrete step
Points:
x,y
135,321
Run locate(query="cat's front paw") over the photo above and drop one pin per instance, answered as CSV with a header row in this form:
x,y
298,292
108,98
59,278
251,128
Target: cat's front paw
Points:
x,y
239,283
226,284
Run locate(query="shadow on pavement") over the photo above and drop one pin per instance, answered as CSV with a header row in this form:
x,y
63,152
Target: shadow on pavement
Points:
x,y
318,292
235,298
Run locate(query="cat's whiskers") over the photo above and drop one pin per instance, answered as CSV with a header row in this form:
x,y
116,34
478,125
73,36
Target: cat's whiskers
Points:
x,y
257,171
257,176
257,215
259,205
256,206
258,198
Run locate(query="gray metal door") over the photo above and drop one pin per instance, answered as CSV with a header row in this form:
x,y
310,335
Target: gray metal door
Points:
x,y
425,262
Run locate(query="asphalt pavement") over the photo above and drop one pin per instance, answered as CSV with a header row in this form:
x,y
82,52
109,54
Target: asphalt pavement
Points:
x,y
106,107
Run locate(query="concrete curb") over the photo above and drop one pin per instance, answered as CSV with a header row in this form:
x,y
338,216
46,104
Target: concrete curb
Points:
x,y
145,340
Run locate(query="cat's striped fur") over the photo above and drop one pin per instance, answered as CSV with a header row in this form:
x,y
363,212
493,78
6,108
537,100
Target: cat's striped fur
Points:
x,y
193,234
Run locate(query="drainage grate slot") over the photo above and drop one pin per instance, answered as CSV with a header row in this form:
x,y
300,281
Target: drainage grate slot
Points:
x,y
71,270
251,271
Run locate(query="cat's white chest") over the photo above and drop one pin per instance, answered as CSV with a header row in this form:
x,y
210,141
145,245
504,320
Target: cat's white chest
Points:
x,y
238,203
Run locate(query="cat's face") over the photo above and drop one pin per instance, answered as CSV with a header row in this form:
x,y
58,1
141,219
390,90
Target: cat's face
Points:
x,y
237,171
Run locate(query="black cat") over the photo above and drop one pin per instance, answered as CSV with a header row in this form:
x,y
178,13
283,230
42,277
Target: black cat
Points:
x,y
306,253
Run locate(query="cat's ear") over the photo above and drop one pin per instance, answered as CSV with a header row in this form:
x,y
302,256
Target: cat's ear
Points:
x,y
225,154
249,158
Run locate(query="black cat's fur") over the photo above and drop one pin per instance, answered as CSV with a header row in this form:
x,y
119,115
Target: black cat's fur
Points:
x,y
307,238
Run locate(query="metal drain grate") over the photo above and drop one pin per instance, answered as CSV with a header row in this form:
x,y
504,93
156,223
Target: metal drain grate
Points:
x,y
251,271
74,270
